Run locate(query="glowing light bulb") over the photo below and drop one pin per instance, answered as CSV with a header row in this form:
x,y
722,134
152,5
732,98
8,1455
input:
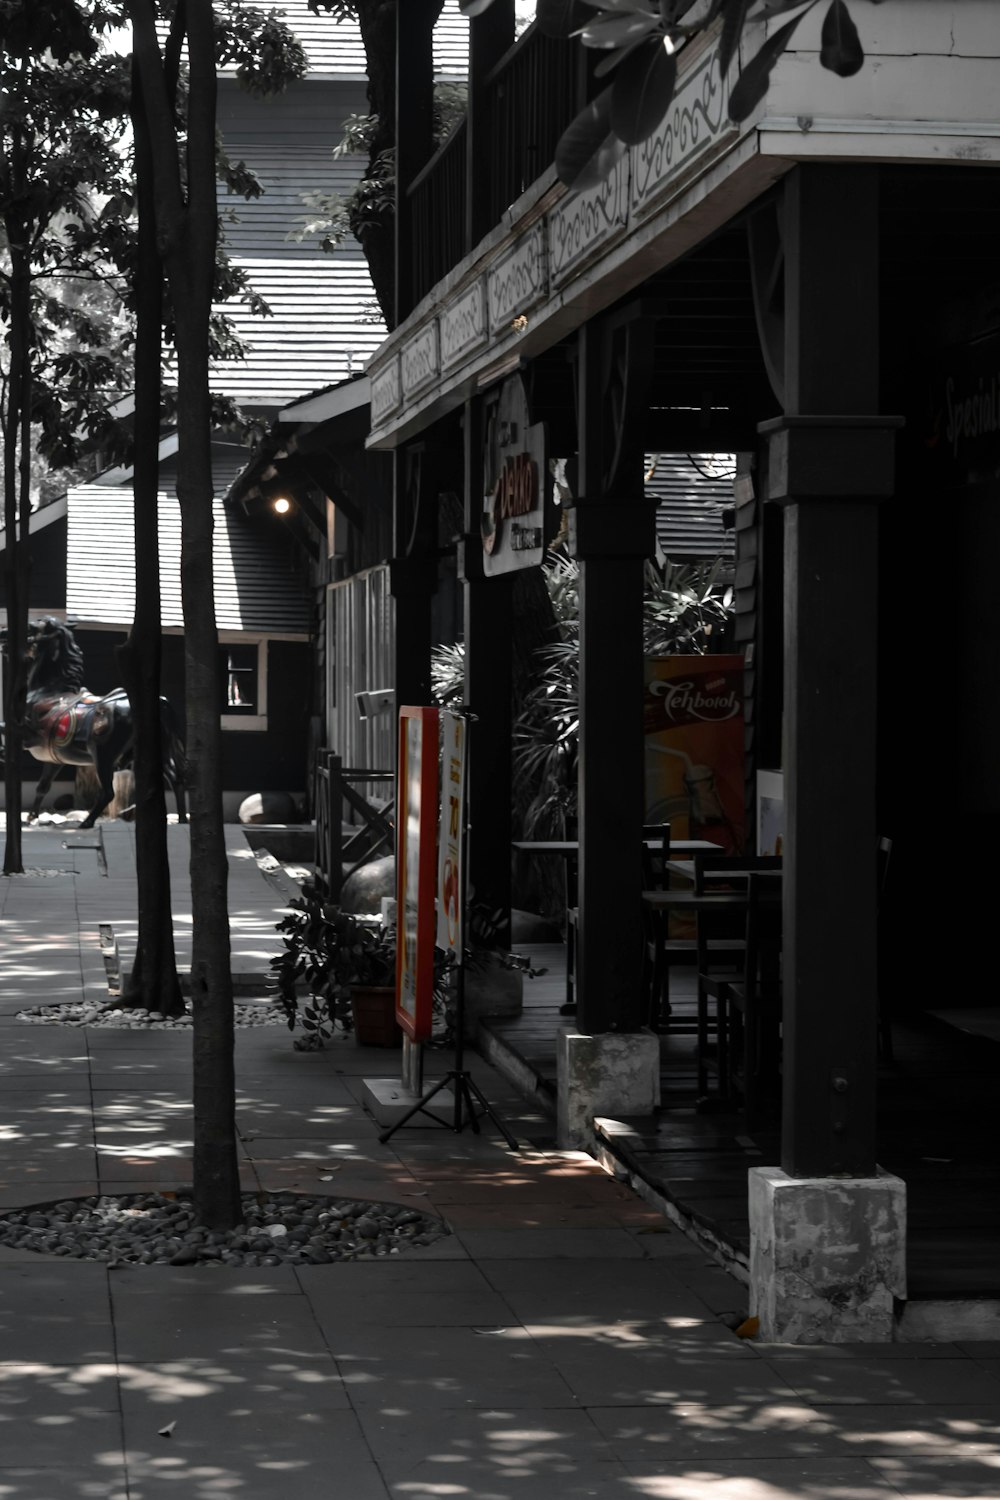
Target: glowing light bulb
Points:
x,y
282,506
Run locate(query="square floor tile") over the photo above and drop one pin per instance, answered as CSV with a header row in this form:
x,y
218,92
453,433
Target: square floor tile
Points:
x,y
275,1327
399,1368
58,1413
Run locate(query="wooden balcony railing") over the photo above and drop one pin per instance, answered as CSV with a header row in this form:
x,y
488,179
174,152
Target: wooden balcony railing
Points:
x,y
530,97
533,96
437,213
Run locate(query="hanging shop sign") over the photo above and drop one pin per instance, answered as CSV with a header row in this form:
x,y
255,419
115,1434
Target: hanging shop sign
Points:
x,y
958,419
516,521
451,871
693,713
416,868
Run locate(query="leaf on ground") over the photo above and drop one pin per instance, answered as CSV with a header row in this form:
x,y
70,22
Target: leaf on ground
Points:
x,y
167,1431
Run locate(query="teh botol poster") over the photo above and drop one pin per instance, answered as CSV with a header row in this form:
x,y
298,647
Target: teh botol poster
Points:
x,y
693,711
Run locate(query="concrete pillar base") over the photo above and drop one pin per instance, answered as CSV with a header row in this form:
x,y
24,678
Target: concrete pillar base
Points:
x,y
615,1073
827,1256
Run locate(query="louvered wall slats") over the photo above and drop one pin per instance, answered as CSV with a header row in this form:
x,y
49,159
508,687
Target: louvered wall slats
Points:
x,y
690,504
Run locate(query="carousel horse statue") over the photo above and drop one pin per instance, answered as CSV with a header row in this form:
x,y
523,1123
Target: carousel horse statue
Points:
x,y
65,725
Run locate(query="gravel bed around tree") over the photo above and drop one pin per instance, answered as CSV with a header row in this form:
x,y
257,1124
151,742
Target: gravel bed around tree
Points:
x,y
159,1229
82,1013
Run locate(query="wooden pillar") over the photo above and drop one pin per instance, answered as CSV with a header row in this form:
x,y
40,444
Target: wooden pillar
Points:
x,y
488,629
490,35
830,460
612,533
413,570
414,128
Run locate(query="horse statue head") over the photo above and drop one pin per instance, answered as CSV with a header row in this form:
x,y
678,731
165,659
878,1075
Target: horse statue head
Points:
x,y
56,659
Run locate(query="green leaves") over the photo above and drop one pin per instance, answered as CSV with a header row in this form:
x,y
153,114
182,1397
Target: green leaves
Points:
x,y
842,51
752,83
631,34
642,91
559,18
588,149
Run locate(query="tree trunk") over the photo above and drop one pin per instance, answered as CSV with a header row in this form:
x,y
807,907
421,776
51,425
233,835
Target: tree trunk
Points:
x,y
377,22
186,219
153,984
16,418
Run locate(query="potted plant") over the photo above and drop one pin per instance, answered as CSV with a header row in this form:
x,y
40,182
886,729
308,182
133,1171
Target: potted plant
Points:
x,y
336,970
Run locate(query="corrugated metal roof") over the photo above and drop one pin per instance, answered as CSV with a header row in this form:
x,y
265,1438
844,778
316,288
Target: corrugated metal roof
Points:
x,y
335,50
256,587
692,490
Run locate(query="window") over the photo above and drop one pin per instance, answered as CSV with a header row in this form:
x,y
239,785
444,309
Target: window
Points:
x,y
243,667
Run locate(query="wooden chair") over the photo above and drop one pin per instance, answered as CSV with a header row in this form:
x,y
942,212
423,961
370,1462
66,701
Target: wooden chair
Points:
x,y
720,953
883,854
750,1008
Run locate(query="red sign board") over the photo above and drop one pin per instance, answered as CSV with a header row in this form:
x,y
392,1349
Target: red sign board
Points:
x,y
416,868
693,712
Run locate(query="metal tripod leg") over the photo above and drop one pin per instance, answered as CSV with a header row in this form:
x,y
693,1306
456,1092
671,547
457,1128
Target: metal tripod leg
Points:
x,y
467,1094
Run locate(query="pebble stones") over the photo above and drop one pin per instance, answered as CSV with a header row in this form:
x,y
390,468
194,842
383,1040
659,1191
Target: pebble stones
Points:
x,y
84,1013
154,1229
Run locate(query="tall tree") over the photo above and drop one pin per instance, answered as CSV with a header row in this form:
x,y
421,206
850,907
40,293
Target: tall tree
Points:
x,y
370,209
153,984
181,165
58,152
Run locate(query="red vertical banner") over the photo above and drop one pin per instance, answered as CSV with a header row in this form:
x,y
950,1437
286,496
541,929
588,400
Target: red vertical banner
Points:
x,y
693,713
451,874
416,868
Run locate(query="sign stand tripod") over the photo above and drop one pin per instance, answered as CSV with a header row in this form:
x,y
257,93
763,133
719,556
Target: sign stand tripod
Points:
x,y
471,1103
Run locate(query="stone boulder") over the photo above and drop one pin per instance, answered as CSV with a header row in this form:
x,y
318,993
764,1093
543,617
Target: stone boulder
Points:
x,y
363,891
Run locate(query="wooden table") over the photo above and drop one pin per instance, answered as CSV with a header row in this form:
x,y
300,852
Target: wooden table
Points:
x,y
685,869
570,851
668,901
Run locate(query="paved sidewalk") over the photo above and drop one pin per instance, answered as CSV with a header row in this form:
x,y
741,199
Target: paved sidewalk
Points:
x,y
561,1342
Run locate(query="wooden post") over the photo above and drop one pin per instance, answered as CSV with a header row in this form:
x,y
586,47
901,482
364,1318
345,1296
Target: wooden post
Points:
x,y
490,35
830,460
413,571
612,531
414,128
488,629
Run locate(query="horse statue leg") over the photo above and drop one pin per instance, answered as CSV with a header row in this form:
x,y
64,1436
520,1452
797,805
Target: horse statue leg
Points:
x,y
175,767
104,764
42,788
176,778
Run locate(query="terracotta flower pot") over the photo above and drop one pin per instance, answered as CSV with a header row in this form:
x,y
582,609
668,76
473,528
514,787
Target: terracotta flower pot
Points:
x,y
374,1011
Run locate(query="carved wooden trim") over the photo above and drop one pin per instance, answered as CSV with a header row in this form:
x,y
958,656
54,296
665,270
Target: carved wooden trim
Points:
x,y
463,324
419,359
518,280
386,390
580,224
697,123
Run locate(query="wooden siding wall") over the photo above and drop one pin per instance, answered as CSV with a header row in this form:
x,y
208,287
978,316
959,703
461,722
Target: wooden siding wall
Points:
x,y
47,583
335,49
257,583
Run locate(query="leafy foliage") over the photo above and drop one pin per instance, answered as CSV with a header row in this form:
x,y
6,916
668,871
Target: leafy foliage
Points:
x,y
682,605
642,40
336,216
326,951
